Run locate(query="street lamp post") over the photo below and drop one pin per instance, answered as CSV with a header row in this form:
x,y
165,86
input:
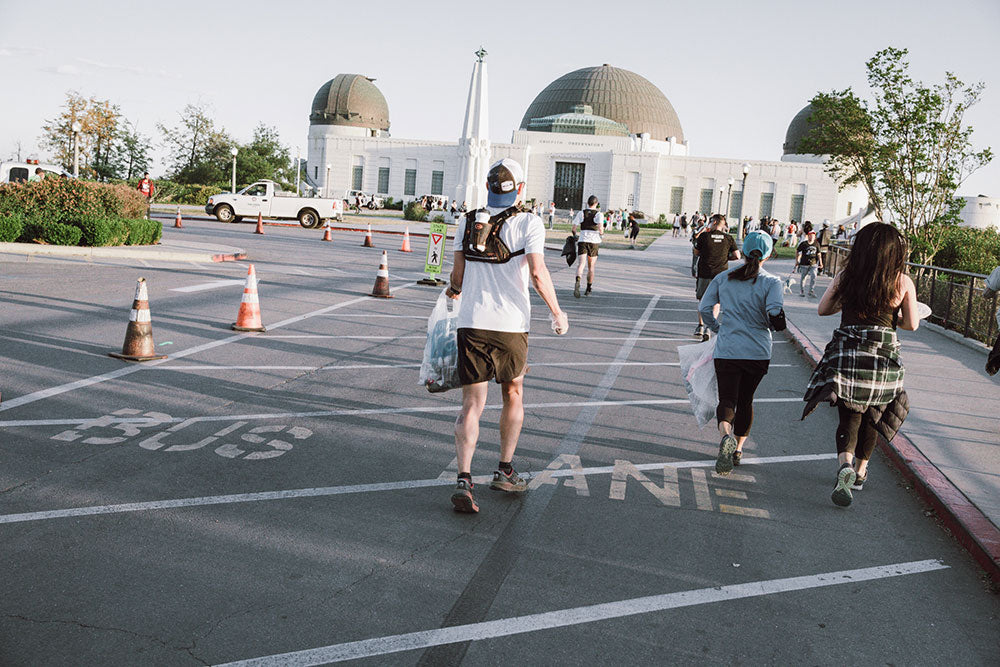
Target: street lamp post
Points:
x,y
76,127
235,152
743,196
721,191
729,196
326,183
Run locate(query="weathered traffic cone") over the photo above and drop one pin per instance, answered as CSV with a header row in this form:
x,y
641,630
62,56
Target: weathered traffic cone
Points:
x,y
248,319
177,222
326,235
368,239
138,344
381,288
406,240
260,224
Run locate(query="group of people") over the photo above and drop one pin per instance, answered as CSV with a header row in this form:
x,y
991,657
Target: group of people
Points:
x,y
498,252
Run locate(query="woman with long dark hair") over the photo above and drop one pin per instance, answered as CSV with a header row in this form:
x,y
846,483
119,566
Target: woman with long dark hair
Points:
x,y
861,373
751,305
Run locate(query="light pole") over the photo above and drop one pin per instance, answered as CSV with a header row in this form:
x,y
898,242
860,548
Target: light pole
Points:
x,y
76,127
326,183
743,196
729,196
298,170
721,191
235,152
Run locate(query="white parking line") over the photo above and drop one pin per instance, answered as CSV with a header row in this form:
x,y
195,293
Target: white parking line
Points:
x,y
561,618
128,370
366,488
360,412
207,286
532,364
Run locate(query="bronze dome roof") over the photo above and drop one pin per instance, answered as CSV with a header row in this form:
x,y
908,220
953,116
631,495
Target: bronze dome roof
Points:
x,y
613,93
797,130
350,99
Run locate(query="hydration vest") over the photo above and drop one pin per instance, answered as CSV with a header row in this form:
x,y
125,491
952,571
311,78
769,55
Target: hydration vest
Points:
x,y
496,251
588,224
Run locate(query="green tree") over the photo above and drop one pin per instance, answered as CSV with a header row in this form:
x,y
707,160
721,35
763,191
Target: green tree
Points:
x,y
198,152
57,134
265,157
908,145
130,157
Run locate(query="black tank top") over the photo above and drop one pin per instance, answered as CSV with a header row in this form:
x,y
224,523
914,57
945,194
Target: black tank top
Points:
x,y
886,318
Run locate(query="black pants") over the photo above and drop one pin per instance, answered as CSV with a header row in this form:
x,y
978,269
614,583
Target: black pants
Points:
x,y
738,380
856,434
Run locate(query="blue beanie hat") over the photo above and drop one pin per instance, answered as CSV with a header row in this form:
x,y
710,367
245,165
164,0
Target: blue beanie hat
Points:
x,y
759,241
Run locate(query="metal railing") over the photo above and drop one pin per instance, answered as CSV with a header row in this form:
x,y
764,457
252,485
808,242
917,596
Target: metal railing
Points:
x,y
956,298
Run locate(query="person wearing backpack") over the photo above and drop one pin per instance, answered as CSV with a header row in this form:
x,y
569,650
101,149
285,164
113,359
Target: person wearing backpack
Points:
x,y
591,224
498,249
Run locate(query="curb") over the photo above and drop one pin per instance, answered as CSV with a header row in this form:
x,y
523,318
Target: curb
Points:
x,y
117,252
351,229
966,522
970,343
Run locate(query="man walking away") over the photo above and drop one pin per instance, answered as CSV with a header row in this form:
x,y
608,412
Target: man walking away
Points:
x,y
591,224
824,238
497,250
714,249
808,262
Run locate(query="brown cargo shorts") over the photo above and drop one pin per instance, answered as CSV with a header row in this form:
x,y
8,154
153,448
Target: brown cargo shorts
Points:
x,y
485,355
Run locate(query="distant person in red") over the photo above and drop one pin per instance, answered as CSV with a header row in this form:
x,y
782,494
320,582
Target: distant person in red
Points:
x,y
146,187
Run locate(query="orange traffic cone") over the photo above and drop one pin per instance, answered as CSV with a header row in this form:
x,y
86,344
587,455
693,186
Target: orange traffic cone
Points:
x,y
381,288
177,222
406,240
260,224
368,239
138,344
248,318
326,235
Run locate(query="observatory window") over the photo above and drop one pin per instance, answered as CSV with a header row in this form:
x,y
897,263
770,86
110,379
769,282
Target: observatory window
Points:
x,y
410,182
766,204
707,197
383,180
676,200
798,203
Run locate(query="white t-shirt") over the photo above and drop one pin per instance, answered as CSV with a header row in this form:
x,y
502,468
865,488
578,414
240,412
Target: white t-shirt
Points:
x,y
495,296
589,235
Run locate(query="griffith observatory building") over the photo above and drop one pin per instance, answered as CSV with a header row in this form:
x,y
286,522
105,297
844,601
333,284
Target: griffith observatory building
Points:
x,y
598,130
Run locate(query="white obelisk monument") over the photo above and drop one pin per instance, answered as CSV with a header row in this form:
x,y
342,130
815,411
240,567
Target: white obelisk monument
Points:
x,y
474,148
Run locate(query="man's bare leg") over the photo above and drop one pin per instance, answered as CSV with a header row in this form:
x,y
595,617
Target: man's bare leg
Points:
x,y
467,424
511,417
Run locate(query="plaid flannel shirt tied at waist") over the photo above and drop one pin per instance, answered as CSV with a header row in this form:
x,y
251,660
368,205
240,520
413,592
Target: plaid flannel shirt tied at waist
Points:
x,y
862,364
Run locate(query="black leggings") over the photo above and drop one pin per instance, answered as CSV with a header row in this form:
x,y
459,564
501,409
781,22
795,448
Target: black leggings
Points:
x,y
856,434
738,380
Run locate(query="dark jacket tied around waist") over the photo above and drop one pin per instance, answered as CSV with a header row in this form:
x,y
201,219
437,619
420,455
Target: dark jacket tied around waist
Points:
x,y
861,370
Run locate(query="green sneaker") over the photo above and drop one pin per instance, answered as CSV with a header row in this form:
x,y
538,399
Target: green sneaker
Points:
x,y
511,483
845,480
576,289
462,498
724,462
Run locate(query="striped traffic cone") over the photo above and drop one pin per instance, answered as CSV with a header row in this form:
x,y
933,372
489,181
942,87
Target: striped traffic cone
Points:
x,y
381,288
177,222
248,319
138,344
326,235
368,239
260,224
406,240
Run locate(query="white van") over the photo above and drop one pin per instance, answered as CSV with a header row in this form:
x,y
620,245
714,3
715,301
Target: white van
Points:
x,y
20,172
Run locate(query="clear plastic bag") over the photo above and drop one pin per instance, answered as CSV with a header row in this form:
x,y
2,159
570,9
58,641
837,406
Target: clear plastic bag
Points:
x,y
698,372
439,370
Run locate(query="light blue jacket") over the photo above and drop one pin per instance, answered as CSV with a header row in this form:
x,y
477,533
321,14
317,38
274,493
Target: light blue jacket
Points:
x,y
743,327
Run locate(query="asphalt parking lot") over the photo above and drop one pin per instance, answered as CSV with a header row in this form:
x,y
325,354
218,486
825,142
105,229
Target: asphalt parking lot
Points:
x,y
282,498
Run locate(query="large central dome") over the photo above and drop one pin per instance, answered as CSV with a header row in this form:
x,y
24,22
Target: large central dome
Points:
x,y
613,93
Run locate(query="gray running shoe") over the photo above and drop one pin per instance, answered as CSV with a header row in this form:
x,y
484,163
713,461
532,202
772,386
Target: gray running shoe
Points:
x,y
706,334
462,498
724,462
511,483
842,491
859,483
699,331
576,289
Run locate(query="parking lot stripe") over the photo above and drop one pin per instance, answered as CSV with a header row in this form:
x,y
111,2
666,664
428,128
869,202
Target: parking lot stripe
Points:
x,y
532,364
561,618
128,370
207,286
287,494
365,411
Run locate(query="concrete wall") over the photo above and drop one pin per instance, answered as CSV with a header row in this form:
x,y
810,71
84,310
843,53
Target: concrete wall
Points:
x,y
981,212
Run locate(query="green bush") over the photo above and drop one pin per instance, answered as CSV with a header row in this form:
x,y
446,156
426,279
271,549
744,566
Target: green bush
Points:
x,y
968,249
414,211
100,230
33,230
143,232
11,226
168,192
391,204
57,199
58,233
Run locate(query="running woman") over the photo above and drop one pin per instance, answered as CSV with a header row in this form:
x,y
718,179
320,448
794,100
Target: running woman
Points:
x,y
752,306
861,372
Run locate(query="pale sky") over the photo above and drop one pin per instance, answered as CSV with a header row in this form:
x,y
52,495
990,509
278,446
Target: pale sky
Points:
x,y
735,71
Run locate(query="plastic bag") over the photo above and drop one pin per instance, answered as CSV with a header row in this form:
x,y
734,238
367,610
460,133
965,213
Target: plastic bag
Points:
x,y
698,371
439,370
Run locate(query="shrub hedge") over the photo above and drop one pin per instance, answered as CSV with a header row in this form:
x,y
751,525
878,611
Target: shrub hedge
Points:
x,y
968,249
11,226
58,198
414,211
168,192
58,233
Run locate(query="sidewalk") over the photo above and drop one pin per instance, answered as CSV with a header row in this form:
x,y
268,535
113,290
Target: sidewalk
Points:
x,y
949,447
168,250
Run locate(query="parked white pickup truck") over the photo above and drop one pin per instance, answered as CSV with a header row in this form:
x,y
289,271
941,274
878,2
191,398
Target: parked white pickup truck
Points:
x,y
270,201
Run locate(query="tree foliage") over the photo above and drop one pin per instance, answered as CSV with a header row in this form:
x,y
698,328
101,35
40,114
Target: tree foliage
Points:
x,y
198,152
265,157
908,145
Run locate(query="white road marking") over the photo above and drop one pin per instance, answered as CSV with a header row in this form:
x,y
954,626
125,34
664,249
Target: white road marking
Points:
x,y
367,411
532,364
207,286
609,338
366,488
128,370
574,616
586,320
